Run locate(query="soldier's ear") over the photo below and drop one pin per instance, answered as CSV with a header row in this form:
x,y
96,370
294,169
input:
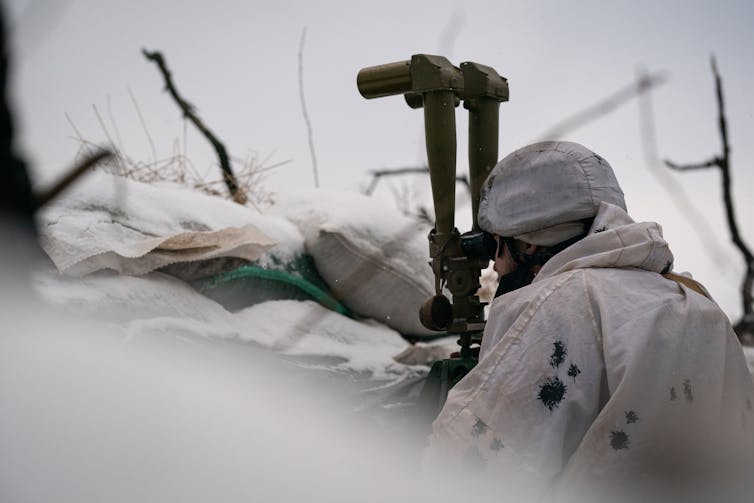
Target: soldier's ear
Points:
x,y
530,249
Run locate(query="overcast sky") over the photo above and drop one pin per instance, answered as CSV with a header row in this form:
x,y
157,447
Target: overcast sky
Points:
x,y
238,63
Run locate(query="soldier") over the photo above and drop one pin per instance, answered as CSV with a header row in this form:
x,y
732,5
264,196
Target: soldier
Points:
x,y
597,363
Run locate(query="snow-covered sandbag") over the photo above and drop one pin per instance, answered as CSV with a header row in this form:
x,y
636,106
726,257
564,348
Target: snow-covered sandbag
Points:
x,y
373,258
427,353
109,222
306,328
158,305
154,299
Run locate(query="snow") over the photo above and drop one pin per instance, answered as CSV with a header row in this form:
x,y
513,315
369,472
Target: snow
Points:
x,y
121,299
90,418
158,304
306,328
372,256
373,227
105,213
94,412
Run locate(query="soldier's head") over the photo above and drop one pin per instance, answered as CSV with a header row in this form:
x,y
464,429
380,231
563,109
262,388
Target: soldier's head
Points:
x,y
541,197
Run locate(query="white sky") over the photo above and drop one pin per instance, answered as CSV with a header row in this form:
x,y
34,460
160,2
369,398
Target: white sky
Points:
x,y
237,62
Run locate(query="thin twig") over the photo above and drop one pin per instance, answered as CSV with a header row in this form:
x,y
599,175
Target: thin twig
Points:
x,y
79,136
185,139
604,106
114,124
410,170
104,127
143,125
308,122
118,159
691,167
188,111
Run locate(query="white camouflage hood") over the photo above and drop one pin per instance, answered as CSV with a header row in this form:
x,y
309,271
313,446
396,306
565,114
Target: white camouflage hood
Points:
x,y
615,241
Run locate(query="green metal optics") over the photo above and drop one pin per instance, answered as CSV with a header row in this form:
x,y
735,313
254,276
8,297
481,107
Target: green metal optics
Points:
x,y
433,83
484,90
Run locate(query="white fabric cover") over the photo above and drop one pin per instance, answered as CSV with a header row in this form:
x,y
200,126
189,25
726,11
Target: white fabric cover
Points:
x,y
545,184
600,368
373,258
109,222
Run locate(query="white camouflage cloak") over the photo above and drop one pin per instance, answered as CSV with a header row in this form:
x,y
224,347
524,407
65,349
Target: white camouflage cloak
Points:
x,y
600,368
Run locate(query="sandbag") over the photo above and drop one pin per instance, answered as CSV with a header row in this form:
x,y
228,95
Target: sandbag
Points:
x,y
373,258
109,222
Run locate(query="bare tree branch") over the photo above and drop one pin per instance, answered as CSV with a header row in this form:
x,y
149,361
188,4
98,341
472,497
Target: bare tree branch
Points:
x,y
188,111
409,170
71,176
310,132
748,301
698,221
605,106
746,324
715,162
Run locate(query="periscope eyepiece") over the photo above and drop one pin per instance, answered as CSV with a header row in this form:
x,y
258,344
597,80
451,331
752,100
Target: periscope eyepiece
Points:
x,y
479,246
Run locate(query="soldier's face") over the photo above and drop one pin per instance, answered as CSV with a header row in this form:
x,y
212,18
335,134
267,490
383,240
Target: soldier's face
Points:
x,y
504,263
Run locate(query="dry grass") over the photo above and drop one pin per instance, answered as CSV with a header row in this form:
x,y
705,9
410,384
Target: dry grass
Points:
x,y
177,168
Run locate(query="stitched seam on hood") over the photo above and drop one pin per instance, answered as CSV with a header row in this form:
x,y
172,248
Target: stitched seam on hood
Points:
x,y
580,162
650,254
622,248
